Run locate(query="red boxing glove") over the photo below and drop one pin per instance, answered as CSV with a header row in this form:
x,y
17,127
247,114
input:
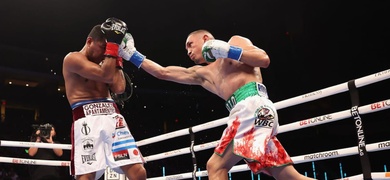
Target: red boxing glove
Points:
x,y
111,49
119,63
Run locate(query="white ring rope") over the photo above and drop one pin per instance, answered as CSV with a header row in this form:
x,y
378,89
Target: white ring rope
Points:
x,y
379,146
384,145
34,144
370,79
332,117
34,161
380,76
282,129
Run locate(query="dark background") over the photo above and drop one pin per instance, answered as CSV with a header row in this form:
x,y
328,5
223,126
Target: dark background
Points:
x,y
312,45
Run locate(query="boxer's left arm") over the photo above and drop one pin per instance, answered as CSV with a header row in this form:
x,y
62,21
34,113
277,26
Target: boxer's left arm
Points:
x,y
195,75
178,74
128,51
190,76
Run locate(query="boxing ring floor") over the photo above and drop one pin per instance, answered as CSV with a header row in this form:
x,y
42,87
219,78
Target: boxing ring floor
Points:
x,y
353,153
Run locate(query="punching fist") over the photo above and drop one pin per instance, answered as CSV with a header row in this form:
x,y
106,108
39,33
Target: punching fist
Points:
x,y
128,51
114,30
214,49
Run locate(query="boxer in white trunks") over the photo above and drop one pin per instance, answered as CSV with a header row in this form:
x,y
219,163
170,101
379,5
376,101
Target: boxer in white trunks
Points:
x,y
100,135
231,71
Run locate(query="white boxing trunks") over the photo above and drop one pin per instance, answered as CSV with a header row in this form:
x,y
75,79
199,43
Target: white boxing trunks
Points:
x,y
100,138
252,128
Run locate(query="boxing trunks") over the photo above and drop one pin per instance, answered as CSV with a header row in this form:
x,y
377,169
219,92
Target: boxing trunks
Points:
x,y
100,137
252,129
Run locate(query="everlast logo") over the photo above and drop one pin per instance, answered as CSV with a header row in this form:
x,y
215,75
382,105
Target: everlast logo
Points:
x,y
88,158
120,28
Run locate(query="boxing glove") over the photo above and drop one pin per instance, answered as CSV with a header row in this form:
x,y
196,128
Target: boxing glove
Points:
x,y
114,30
128,51
214,49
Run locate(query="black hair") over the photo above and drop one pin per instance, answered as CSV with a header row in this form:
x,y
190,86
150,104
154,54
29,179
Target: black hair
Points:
x,y
96,33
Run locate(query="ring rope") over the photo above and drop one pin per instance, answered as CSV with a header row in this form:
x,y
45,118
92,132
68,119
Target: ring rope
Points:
x,y
323,93
282,129
385,104
373,147
334,116
332,90
379,146
34,144
380,76
285,128
34,161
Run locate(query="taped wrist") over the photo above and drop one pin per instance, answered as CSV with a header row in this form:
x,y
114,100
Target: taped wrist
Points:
x,y
235,53
137,58
119,63
111,49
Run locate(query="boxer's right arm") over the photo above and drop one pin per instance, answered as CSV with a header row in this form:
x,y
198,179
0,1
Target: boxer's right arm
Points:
x,y
78,63
215,49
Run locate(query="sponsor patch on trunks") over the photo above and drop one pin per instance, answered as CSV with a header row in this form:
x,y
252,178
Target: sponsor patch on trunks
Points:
x,y
264,117
120,155
98,108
